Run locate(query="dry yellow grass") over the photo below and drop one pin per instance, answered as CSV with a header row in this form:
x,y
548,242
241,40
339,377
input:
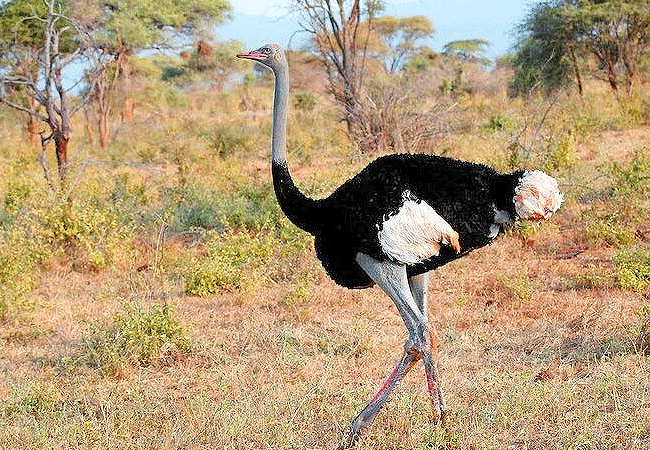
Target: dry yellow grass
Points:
x,y
538,340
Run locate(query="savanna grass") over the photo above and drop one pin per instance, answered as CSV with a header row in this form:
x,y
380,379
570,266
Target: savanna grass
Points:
x,y
243,343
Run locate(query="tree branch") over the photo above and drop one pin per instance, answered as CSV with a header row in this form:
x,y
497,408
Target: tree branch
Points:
x,y
19,107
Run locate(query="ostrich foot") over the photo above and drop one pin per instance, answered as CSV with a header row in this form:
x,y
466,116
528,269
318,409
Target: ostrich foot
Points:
x,y
372,408
430,359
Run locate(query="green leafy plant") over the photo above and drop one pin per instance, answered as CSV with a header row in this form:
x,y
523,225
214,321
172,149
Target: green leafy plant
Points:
x,y
305,101
633,269
137,335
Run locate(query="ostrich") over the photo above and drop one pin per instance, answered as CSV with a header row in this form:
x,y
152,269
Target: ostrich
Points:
x,y
400,217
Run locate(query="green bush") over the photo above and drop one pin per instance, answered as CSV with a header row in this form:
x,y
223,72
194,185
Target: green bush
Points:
x,y
138,336
607,228
227,257
230,256
633,269
633,178
305,101
31,397
499,122
560,153
197,209
227,140
21,257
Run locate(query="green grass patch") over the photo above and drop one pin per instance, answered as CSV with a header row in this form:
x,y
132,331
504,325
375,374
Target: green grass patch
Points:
x,y
137,335
633,269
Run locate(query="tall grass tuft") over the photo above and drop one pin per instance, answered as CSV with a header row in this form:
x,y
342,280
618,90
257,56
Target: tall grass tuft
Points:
x,y
137,336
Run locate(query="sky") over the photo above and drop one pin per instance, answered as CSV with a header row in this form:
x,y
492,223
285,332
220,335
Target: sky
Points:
x,y
257,22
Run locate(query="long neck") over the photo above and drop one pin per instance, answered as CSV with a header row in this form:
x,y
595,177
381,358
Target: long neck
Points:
x,y
280,101
298,208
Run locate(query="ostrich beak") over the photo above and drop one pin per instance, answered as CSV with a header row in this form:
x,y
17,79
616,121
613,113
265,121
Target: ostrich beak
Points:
x,y
253,54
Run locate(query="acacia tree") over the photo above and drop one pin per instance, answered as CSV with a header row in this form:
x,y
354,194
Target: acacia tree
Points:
x,y
46,42
547,49
617,34
341,42
121,28
467,49
558,39
398,38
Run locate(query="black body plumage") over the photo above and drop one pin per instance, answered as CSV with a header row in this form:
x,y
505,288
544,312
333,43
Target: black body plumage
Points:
x,y
348,221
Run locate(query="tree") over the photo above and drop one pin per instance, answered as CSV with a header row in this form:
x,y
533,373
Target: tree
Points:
x,y
341,42
21,38
121,28
45,43
546,49
467,49
617,34
398,37
560,38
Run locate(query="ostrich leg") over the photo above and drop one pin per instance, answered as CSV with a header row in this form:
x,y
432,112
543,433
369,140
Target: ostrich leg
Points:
x,y
419,288
372,408
392,279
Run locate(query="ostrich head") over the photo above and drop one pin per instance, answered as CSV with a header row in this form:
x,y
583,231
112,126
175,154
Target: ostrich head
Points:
x,y
271,55
537,196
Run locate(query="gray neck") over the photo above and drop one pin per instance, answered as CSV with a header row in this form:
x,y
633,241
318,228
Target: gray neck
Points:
x,y
280,97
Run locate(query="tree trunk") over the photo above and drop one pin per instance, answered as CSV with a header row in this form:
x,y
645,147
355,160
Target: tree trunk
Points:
x,y
32,122
61,146
123,63
127,109
576,69
103,129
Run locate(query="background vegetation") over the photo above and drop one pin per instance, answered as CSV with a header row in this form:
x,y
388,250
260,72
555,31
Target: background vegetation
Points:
x,y
163,301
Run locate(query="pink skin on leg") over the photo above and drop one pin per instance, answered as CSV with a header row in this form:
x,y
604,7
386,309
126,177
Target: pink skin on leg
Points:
x,y
372,408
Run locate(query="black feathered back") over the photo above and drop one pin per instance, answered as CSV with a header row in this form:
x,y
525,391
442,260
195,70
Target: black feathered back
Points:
x,y
347,222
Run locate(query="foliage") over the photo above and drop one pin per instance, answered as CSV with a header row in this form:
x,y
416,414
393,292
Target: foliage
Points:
x,y
34,398
544,51
562,36
231,255
305,101
122,27
127,25
137,335
341,41
498,122
36,63
17,271
467,49
633,269
617,34
633,178
398,37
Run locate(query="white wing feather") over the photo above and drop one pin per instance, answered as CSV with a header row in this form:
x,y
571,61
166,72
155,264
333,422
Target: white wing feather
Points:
x,y
415,233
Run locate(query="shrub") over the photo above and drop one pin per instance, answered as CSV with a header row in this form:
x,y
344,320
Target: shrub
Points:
x,y
227,256
305,101
518,288
20,265
137,336
33,398
643,338
197,209
499,122
633,178
227,140
633,269
609,228
89,233
233,254
560,153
